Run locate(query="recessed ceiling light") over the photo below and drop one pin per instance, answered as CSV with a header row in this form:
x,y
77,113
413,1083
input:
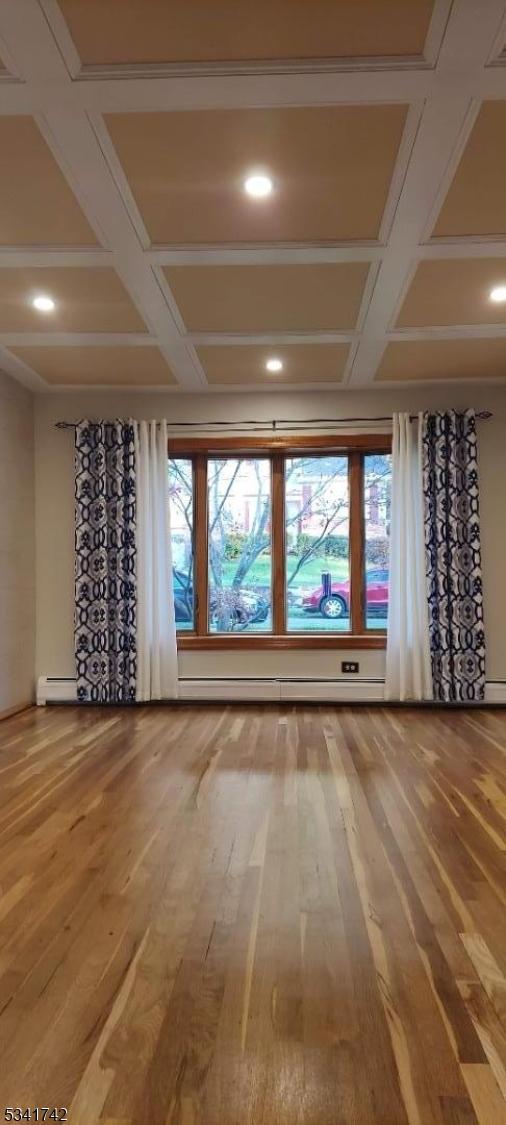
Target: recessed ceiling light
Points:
x,y
43,304
498,294
258,185
274,365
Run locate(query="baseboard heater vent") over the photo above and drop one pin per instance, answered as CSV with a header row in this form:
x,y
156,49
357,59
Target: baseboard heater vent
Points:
x,y
52,689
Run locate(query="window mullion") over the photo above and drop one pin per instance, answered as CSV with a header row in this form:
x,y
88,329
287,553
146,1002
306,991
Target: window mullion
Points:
x,y
200,546
278,545
356,493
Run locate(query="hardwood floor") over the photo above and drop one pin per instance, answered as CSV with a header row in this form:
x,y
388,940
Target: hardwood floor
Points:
x,y
265,915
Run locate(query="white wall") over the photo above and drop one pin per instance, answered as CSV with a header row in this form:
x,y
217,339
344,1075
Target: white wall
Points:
x,y
55,511
17,550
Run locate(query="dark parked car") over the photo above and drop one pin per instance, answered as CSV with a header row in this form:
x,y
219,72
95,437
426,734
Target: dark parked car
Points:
x,y
336,603
238,608
183,596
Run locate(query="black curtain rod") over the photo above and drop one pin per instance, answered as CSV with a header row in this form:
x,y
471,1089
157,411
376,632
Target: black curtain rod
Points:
x,y
259,424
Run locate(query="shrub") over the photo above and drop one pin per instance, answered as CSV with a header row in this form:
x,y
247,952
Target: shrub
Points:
x,y
234,545
376,552
302,544
333,547
336,547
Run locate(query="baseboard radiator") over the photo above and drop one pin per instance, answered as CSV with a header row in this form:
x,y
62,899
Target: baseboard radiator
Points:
x,y
60,690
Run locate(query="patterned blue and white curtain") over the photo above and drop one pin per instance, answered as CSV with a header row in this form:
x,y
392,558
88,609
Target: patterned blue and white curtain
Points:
x,y
453,556
125,636
105,562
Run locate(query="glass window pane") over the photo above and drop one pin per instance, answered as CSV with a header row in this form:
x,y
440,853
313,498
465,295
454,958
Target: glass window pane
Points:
x,y
377,482
317,544
181,523
240,555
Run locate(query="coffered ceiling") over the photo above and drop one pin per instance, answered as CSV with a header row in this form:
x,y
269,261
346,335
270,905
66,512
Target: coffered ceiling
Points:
x,y
128,129
93,365
87,299
239,364
333,169
37,205
256,298
115,32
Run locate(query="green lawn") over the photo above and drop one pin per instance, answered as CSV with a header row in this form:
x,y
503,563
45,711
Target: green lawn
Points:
x,y
309,575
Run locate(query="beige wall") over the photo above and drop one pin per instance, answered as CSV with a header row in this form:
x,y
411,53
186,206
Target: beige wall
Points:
x,y
55,529
17,550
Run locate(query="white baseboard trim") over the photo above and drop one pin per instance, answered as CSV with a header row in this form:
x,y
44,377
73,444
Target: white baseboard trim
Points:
x,y
495,691
51,689
54,690
332,691
261,690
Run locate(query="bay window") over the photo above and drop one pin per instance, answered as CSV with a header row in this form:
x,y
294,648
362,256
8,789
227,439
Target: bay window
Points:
x,y
280,543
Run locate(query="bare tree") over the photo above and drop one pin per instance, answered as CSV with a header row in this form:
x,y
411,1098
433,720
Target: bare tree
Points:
x,y
228,607
258,539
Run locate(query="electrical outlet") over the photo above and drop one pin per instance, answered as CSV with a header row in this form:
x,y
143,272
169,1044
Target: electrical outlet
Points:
x,y
349,667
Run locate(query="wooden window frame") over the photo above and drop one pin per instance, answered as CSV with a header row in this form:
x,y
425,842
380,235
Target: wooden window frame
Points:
x,y
277,448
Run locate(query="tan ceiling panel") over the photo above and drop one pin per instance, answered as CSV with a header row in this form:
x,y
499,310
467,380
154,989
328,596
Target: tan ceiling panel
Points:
x,y
436,360
476,201
97,366
108,32
257,298
454,291
302,363
37,206
87,300
331,166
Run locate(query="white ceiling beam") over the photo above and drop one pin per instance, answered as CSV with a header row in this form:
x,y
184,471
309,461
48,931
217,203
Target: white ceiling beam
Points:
x,y
239,91
140,95
265,255
14,258
26,33
271,339
463,248
79,339
448,332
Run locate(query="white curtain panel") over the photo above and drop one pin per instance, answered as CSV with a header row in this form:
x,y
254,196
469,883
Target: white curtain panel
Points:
x,y
408,663
157,676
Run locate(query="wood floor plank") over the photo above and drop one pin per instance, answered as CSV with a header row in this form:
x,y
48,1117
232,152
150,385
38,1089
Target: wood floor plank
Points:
x,y
489,1105
254,915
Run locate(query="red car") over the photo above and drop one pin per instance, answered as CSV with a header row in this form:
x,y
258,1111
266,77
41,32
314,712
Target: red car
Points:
x,y
337,603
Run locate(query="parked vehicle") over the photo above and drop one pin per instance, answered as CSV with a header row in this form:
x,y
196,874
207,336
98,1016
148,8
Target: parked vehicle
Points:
x,y
238,608
336,603
183,596
231,610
